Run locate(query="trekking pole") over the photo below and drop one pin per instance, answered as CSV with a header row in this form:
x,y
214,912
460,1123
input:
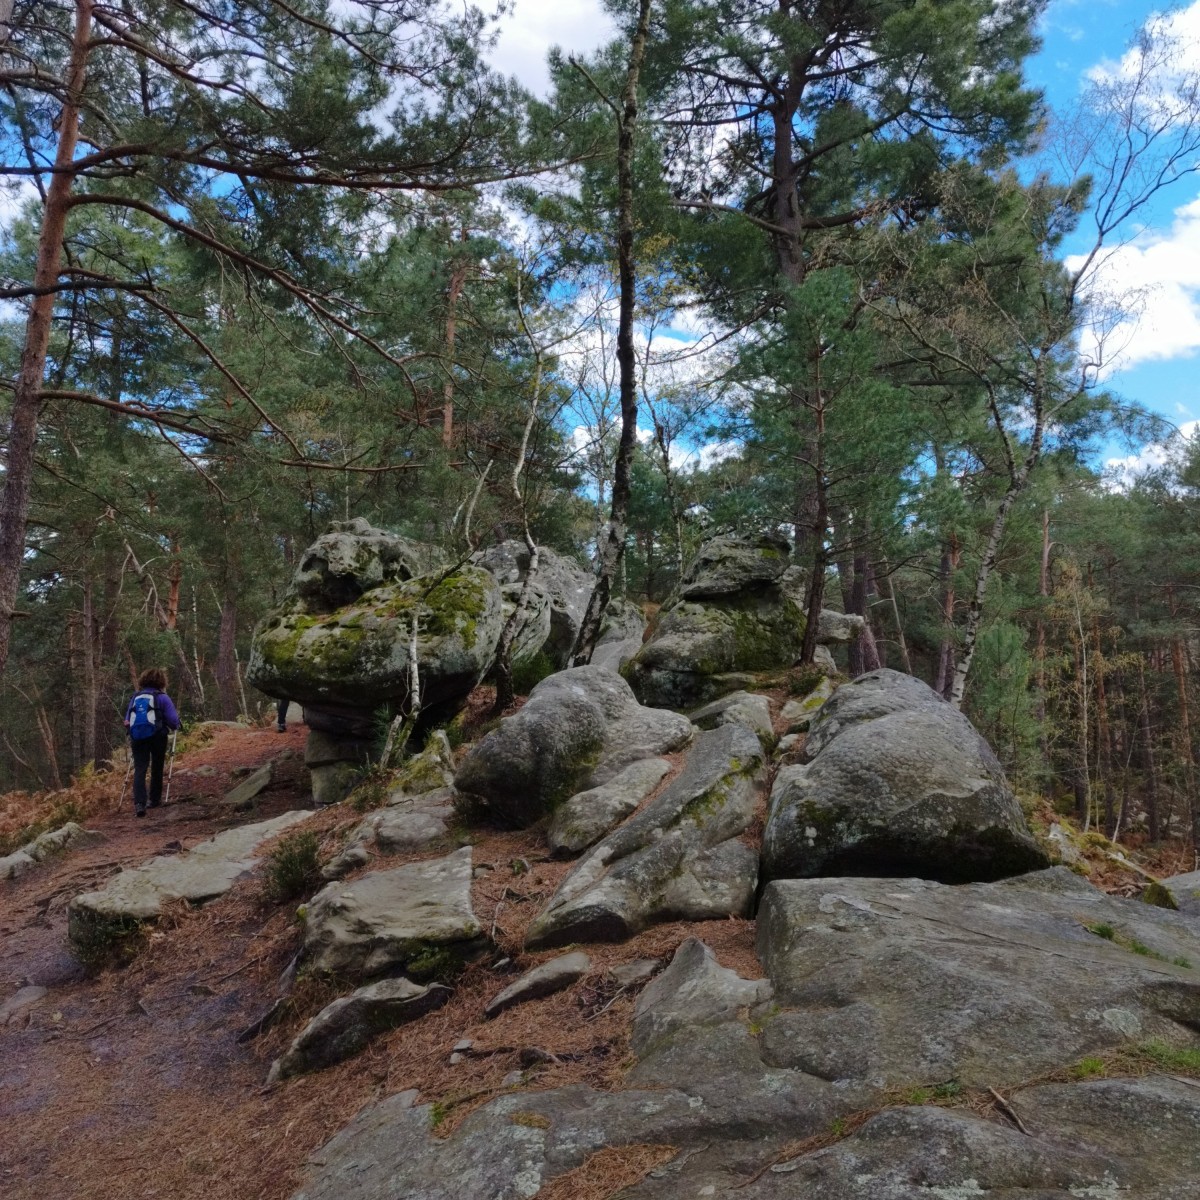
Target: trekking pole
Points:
x,y
128,769
171,766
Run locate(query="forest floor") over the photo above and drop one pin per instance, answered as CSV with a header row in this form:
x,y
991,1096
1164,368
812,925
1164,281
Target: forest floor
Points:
x,y
132,1082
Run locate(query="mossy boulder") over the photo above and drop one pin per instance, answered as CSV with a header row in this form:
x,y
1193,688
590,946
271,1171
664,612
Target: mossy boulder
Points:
x,y
353,557
701,650
357,658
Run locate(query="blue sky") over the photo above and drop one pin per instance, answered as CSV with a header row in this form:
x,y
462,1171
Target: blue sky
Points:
x,y
1160,366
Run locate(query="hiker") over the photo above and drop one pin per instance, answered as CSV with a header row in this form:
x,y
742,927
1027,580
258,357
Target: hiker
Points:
x,y
281,715
148,717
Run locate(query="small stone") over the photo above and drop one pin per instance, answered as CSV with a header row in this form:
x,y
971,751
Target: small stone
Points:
x,y
19,1001
544,980
513,1079
463,1045
641,969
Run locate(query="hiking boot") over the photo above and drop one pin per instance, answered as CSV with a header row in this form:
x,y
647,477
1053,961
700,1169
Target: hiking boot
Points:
x,y
139,812
156,804
282,729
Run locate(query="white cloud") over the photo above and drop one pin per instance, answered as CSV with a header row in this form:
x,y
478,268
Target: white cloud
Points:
x,y
1155,280
1123,471
1176,34
534,26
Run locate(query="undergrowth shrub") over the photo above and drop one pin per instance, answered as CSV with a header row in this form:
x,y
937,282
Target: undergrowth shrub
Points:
x,y
98,942
293,867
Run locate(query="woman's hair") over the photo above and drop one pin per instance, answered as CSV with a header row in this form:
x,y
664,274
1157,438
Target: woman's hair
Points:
x,y
155,678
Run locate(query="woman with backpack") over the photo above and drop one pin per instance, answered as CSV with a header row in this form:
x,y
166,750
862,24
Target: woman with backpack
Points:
x,y
148,717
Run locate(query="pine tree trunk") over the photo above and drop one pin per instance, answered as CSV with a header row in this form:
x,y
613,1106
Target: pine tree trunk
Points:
x,y
1152,813
901,641
27,398
951,554
226,669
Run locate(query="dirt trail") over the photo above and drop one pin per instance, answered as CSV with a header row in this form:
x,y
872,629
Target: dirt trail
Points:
x,y
133,1084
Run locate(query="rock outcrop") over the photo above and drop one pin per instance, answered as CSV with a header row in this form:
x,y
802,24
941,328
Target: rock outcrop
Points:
x,y
679,858
900,784
1184,892
543,980
561,588
732,1072
587,816
578,729
416,919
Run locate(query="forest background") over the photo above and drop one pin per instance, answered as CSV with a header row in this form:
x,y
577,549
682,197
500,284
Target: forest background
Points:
x,y
271,264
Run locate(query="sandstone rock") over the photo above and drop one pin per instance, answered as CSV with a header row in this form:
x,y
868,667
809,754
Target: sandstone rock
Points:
x,y
543,980
694,990
676,859
799,714
578,729
588,816
731,617
835,628
407,823
322,748
427,771
19,1001
884,981
416,918
900,783
730,566
243,796
534,629
333,782
352,558
746,709
345,1027
45,845
630,974
1185,892
823,660
201,873
566,584
356,658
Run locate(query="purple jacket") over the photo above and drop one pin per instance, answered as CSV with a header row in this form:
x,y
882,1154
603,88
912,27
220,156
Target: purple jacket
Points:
x,y
162,704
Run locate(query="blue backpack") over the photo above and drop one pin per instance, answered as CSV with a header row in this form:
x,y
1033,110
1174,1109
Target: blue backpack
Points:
x,y
143,717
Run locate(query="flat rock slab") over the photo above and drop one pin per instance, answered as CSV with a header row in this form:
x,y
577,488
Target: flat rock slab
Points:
x,y
345,1027
588,816
899,784
407,823
413,918
746,709
543,980
678,858
888,981
199,874
243,796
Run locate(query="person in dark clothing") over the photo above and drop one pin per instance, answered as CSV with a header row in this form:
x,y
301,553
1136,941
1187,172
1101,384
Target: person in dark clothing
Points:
x,y
149,717
281,715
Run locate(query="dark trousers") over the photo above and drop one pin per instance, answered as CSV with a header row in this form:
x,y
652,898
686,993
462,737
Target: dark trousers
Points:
x,y
149,753
281,713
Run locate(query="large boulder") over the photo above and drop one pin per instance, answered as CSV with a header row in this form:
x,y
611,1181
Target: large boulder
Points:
x,y
560,582
357,659
352,558
901,784
415,918
588,816
1184,892
730,619
677,859
577,730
